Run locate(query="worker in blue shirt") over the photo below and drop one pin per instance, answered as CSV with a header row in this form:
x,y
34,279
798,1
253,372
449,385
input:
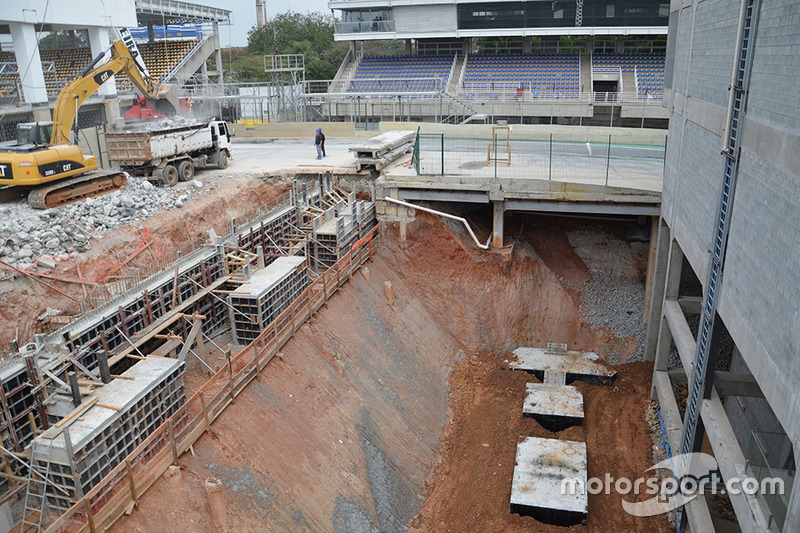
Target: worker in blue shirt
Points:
x,y
318,142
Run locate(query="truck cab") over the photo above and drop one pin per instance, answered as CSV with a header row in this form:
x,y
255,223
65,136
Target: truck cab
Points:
x,y
221,137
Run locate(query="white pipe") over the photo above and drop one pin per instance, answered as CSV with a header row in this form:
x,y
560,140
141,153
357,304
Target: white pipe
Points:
x,y
445,215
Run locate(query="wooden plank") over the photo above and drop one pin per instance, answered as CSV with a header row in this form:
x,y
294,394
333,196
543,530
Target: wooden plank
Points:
x,y
82,408
187,344
165,349
112,407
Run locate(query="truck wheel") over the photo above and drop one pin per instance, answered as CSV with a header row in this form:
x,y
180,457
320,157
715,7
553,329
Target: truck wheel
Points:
x,y
185,171
222,159
169,176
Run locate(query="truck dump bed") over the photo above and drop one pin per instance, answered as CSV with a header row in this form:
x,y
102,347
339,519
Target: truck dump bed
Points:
x,y
136,148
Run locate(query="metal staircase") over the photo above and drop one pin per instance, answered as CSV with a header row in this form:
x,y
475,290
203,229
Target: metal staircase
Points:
x,y
705,353
35,507
462,113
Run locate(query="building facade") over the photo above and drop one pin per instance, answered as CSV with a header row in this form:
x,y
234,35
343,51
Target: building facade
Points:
x,y
729,250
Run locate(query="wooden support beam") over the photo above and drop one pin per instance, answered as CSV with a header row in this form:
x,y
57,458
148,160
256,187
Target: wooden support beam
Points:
x,y
82,408
222,291
112,407
187,344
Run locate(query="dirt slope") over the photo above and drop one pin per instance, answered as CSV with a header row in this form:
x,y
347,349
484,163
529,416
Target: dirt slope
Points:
x,y
345,431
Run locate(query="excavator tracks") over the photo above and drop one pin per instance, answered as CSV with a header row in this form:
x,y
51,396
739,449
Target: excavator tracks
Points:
x,y
74,189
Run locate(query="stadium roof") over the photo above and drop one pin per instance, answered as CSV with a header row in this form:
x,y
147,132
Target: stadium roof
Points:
x,y
176,12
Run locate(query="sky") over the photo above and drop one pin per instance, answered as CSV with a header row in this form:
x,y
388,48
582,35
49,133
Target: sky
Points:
x,y
244,15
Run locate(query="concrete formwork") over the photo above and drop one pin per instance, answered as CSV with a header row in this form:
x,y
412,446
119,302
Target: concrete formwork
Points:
x,y
126,412
253,306
182,293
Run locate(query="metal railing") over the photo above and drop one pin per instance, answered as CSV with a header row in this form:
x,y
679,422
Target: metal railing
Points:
x,y
365,26
625,162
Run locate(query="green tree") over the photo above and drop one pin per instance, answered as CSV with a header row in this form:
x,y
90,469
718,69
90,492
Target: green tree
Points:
x,y
310,34
64,39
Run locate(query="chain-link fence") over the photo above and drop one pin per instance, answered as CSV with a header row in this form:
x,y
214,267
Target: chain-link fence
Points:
x,y
614,160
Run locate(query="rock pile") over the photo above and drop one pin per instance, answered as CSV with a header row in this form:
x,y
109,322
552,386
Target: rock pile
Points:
x,y
27,234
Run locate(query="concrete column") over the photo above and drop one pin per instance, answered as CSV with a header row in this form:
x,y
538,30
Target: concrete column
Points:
x,y
589,45
29,63
408,46
98,41
619,45
467,45
218,53
498,210
151,37
659,275
651,260
526,44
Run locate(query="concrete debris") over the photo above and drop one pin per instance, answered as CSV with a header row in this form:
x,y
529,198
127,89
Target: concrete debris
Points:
x,y
47,262
29,233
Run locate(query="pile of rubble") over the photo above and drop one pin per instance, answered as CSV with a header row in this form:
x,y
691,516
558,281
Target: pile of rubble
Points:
x,y
29,234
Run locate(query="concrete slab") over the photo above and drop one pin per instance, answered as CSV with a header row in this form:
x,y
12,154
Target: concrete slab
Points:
x,y
576,365
381,144
265,279
555,407
539,489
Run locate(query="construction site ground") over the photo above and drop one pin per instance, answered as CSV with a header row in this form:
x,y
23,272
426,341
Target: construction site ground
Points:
x,y
386,415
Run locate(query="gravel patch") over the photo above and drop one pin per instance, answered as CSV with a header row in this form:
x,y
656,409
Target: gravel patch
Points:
x,y
616,302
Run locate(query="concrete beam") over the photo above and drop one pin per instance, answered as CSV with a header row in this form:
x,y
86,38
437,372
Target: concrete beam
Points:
x,y
731,462
681,334
696,510
691,304
726,383
474,197
594,208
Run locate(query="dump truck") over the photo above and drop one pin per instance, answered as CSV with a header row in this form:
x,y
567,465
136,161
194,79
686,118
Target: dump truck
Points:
x,y
46,160
171,154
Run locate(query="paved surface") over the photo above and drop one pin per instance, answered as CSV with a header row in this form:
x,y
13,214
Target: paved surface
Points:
x,y
298,155
627,166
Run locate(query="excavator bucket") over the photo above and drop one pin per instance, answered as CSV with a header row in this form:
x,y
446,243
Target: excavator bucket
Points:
x,y
165,101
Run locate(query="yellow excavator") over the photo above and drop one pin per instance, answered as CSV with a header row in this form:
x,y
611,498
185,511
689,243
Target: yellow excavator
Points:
x,y
45,153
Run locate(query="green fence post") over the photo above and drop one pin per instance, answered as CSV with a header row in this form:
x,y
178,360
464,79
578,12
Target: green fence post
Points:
x,y
608,158
442,154
494,141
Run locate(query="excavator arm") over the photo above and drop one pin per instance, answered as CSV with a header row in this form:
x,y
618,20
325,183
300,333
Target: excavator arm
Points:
x,y
95,75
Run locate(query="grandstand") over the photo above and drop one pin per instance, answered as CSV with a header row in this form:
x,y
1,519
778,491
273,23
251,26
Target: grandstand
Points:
x,y
539,74
560,61
402,73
